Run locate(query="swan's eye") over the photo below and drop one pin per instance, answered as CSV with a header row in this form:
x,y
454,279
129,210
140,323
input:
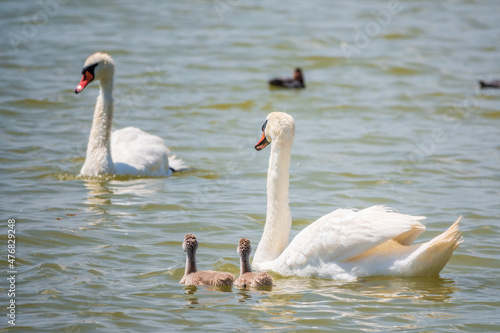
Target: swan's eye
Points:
x,y
89,69
264,126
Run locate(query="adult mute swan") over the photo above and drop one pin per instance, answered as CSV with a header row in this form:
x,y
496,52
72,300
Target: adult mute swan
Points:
x,y
346,243
129,151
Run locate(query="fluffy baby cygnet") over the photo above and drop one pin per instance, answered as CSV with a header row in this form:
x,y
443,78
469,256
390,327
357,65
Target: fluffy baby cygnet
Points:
x,y
198,278
247,278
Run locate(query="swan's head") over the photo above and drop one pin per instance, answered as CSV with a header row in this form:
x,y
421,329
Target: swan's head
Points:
x,y
244,248
277,125
190,243
99,66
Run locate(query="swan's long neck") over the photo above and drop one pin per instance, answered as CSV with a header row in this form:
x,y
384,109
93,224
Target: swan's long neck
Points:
x,y
276,233
190,261
98,160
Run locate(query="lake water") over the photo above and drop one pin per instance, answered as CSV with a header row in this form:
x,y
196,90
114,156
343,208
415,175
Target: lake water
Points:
x,y
392,114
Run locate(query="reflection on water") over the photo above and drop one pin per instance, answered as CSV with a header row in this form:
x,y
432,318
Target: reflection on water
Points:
x,y
431,289
191,290
365,299
379,302
99,195
103,193
426,289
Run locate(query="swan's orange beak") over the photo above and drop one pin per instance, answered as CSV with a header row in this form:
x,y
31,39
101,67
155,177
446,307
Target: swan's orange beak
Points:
x,y
262,143
86,79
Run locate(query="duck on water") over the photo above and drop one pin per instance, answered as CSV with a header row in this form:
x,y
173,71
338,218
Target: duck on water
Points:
x,y
297,82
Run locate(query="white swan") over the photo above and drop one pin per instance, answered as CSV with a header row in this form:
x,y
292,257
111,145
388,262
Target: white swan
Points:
x,y
129,151
346,243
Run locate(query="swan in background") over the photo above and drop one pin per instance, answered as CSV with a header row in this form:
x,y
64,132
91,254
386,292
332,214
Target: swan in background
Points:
x,y
247,277
129,151
346,243
198,278
489,84
296,82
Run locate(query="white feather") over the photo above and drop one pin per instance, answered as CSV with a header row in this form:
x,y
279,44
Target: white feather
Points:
x,y
136,152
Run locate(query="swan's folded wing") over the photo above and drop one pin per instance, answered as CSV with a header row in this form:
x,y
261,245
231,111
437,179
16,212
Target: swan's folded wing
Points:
x,y
346,233
133,148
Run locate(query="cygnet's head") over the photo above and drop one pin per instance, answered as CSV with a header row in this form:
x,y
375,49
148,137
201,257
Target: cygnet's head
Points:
x,y
190,243
244,248
276,126
99,66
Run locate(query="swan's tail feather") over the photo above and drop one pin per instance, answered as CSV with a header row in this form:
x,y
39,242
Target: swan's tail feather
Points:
x,y
176,164
407,238
438,251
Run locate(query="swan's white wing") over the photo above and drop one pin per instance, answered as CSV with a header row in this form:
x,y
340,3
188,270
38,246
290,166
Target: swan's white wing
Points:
x,y
136,152
346,233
